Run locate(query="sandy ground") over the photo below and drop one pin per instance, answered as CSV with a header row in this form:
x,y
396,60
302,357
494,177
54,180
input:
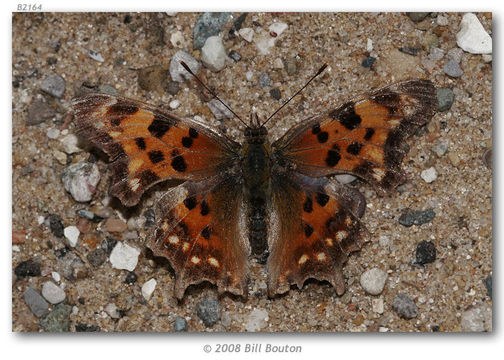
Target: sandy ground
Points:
x,y
461,196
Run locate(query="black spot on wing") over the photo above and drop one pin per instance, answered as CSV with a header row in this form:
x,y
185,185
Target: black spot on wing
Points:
x,y
140,142
333,158
122,109
159,126
206,232
322,199
369,134
156,156
354,148
193,133
205,209
178,163
187,141
347,116
308,229
316,129
308,205
190,202
322,137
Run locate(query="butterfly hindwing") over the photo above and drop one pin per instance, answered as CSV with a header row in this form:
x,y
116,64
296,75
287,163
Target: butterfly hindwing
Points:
x,y
200,229
147,145
314,228
365,138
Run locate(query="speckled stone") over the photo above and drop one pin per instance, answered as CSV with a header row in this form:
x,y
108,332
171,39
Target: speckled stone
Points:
x,y
58,319
417,16
264,80
37,304
275,94
97,257
80,180
55,224
29,267
38,112
405,307
208,310
425,252
130,278
53,293
53,85
257,320
235,56
368,62
180,324
452,68
445,98
373,281
416,217
209,24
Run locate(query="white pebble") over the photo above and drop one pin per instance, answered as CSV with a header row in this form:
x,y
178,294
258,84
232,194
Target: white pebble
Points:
x,y
429,175
213,54
177,71
148,289
40,219
345,178
112,311
247,34
177,39
80,180
60,156
256,320
53,133
487,58
472,37
70,142
278,63
72,235
174,104
278,28
249,75
373,281
441,20
378,305
124,257
369,45
53,293
95,56
56,276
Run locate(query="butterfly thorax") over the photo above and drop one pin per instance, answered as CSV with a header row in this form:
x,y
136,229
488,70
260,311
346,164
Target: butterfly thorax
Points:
x,y
256,168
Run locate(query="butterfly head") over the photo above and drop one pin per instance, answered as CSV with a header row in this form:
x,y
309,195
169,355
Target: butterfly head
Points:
x,y
255,132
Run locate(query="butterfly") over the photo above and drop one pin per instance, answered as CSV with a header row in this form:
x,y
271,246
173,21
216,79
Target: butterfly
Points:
x,y
270,201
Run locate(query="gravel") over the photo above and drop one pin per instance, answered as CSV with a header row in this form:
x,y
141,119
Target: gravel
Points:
x,y
452,68
208,310
54,85
37,304
28,267
124,257
53,293
416,217
373,281
80,180
38,112
445,98
58,319
425,252
180,324
405,307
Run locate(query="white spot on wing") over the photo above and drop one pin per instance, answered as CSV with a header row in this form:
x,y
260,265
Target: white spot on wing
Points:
x,y
321,256
213,261
173,239
340,235
134,184
303,259
195,260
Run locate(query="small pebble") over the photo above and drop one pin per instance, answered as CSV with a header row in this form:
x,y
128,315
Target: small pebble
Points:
x,y
70,143
409,50
86,328
148,288
109,89
429,175
487,158
72,235
441,148
52,133
86,214
404,307
209,24
487,58
278,28
112,311
369,45
80,180
291,66
416,217
226,320
174,104
477,319
425,252
116,225
278,64
455,54
56,276
37,304
368,62
124,257
436,54
177,71
108,244
29,267
53,293
95,56
264,80
18,237
256,320
235,56
130,278
452,68
378,306
177,39
208,310
213,54
445,98
58,320
172,87
247,34
345,178
373,281
454,158
441,20
275,94
472,36
417,16
218,110
180,324
38,112
53,85
488,285
429,41
152,78
249,75
97,257
53,221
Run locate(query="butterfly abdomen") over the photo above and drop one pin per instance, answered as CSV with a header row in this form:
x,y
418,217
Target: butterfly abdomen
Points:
x,y
256,169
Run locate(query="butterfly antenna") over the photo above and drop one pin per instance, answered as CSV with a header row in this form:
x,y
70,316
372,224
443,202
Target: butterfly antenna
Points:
x,y
322,68
211,91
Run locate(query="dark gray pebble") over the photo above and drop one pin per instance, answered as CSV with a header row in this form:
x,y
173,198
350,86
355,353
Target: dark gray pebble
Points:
x,y
37,304
86,214
235,56
109,89
27,268
452,68
38,112
425,252
108,244
416,217
488,285
208,310
209,24
368,62
53,85
417,16
445,98
86,328
404,306
58,320
55,224
131,278
275,94
180,324
409,50
237,24
150,217
97,257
